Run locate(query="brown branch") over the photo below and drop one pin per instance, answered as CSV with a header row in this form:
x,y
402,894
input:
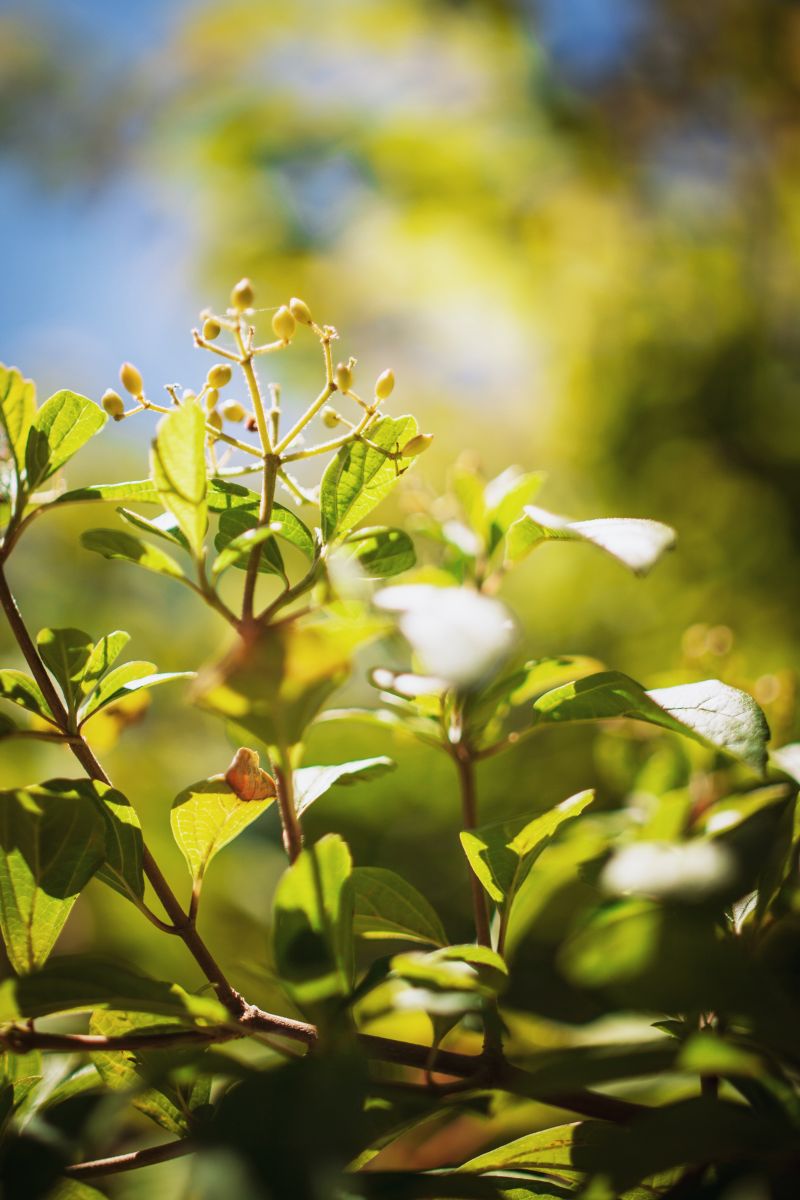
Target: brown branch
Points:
x,y
85,756
132,1161
292,831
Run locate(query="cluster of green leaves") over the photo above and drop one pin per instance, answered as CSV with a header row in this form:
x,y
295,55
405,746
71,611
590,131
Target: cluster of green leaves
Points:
x,y
683,914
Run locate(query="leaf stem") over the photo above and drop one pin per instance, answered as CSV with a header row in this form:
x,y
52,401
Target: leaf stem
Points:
x,y
284,785
131,1161
465,765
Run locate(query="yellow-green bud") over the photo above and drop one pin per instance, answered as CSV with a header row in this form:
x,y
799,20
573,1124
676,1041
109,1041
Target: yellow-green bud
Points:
x,y
343,376
233,411
211,330
215,420
284,324
300,311
219,376
188,394
330,417
384,385
113,404
417,445
242,296
131,379
212,396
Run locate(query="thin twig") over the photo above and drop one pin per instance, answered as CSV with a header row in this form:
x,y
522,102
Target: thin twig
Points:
x,y
132,1161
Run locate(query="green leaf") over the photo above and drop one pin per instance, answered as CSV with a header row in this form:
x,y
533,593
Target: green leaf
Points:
x,y
52,840
549,1148
237,534
130,1070
66,653
501,859
312,782
142,491
206,816
84,982
165,526
635,542
124,850
179,471
62,425
710,712
504,499
386,906
274,686
382,552
19,688
312,929
102,658
224,494
74,1189
114,543
361,475
8,727
123,681
17,411
454,969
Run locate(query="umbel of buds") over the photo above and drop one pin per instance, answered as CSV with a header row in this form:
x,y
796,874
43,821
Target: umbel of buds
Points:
x,y
131,379
113,404
242,296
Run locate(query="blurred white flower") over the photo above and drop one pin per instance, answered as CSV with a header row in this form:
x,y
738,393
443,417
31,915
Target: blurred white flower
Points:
x,y
668,871
458,634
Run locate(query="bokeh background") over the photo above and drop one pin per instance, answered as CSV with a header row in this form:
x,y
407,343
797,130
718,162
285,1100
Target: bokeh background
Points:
x,y
572,227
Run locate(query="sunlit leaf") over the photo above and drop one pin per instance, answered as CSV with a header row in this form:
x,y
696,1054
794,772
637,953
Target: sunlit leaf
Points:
x,y
84,982
361,475
312,782
387,906
454,968
142,491
501,857
207,816
103,656
636,543
165,526
62,425
711,712
123,681
130,1070
121,868
114,543
66,653
52,840
312,924
19,688
17,411
238,533
179,470
382,552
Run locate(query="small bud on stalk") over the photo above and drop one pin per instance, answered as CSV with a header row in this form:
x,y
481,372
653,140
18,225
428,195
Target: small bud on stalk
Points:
x,y
417,445
211,330
131,379
233,411
384,385
343,377
284,324
219,376
300,311
113,404
212,396
215,420
330,417
242,296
